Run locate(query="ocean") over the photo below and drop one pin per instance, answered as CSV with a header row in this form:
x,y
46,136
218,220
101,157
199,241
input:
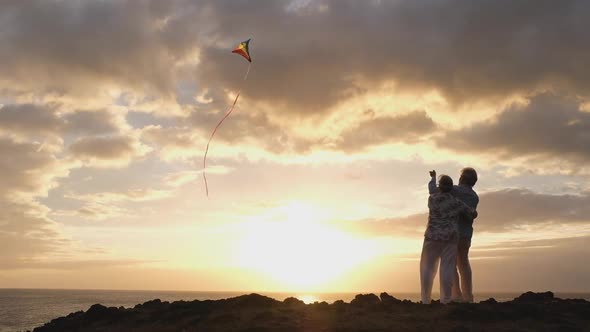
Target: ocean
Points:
x,y
25,309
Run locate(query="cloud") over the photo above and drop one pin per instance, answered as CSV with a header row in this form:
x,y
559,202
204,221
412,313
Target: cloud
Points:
x,y
108,151
89,44
26,174
336,49
30,118
277,137
317,66
72,265
132,195
26,232
173,143
96,211
94,122
350,47
514,208
110,205
181,178
49,119
549,127
178,179
406,128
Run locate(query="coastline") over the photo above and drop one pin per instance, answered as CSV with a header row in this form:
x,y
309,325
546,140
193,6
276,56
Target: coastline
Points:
x,y
369,312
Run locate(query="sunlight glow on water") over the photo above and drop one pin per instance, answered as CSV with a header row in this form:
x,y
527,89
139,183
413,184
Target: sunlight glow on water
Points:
x,y
307,298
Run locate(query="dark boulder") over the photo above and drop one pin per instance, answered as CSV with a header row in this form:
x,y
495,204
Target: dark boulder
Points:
x,y
388,300
320,305
152,304
365,300
491,300
531,297
339,305
252,301
99,312
293,302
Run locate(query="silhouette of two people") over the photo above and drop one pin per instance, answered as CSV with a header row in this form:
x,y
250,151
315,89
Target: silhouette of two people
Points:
x,y
447,239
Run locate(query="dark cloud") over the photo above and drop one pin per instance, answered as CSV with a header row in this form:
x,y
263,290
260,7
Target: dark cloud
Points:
x,y
516,208
407,128
242,126
306,57
313,59
278,138
107,150
65,46
549,126
29,118
98,122
46,119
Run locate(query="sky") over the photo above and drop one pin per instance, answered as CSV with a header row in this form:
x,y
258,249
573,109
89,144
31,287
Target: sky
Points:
x,y
318,180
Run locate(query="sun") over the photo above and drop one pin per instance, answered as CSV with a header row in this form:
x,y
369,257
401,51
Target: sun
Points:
x,y
294,246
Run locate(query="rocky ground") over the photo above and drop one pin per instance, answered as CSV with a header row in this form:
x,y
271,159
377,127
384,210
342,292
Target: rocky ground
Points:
x,y
528,312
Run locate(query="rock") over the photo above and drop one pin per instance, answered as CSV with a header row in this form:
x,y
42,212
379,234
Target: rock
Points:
x,y
461,328
252,300
322,306
98,311
293,302
364,300
388,300
491,300
152,304
365,313
339,305
531,297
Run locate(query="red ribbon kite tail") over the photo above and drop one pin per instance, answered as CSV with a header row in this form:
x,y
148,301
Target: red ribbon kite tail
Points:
x,y
231,109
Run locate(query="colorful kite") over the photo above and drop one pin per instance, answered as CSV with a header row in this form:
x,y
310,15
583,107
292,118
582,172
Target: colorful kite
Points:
x,y
243,50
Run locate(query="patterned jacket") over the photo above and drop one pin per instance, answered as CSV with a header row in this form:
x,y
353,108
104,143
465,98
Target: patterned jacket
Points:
x,y
444,211
467,195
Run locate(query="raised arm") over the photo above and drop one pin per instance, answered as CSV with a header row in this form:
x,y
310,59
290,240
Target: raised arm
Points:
x,y
432,184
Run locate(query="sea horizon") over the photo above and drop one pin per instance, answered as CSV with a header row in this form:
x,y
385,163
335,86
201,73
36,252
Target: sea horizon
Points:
x,y
23,309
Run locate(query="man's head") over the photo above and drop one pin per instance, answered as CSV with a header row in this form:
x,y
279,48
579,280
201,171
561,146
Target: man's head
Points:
x,y
445,183
468,177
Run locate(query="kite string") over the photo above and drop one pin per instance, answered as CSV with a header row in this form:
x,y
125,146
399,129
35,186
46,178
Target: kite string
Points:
x,y
247,71
231,109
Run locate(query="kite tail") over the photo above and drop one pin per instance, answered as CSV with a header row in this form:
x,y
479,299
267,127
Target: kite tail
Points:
x,y
231,109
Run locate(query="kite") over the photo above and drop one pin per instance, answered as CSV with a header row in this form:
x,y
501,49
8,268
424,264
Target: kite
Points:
x,y
243,50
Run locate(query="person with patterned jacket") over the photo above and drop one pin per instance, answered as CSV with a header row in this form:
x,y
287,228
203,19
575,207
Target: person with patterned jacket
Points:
x,y
440,239
463,286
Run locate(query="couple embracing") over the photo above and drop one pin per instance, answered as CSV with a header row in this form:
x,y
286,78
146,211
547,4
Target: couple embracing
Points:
x,y
452,209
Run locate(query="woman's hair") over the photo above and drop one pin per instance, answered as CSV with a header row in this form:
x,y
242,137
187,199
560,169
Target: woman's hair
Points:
x,y
468,176
445,183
